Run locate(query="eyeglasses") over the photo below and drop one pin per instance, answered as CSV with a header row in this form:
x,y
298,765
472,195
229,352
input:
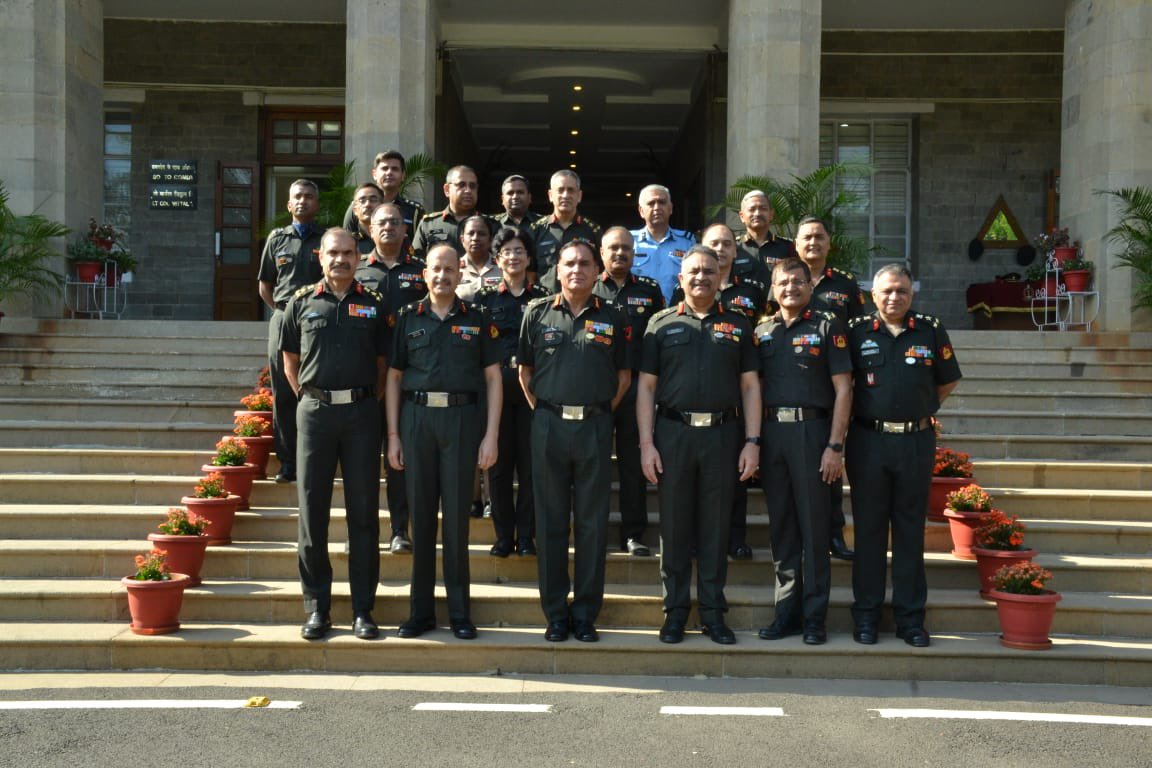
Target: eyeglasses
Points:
x,y
793,282
367,200
387,222
513,251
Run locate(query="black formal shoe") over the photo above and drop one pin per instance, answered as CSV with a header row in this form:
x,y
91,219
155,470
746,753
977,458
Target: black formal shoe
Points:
x,y
917,637
838,548
416,627
779,629
740,552
364,627
672,632
464,630
719,632
400,545
585,632
477,509
557,631
637,548
815,634
865,633
317,625
501,548
287,474
526,548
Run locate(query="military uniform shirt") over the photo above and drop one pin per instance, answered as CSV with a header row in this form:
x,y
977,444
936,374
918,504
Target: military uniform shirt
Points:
x,y
447,355
744,295
443,227
640,298
797,362
364,243
751,268
895,377
525,223
401,284
839,293
290,262
698,360
660,259
576,359
473,280
411,210
773,249
550,237
338,340
507,312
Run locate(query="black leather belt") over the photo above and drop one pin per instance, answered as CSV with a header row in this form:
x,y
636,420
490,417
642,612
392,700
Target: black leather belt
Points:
x,y
338,396
895,427
575,412
441,399
698,418
794,414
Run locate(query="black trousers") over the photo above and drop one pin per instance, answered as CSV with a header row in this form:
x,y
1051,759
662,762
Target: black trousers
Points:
x,y
633,486
394,482
572,480
798,503
890,475
348,435
513,520
440,451
695,503
283,397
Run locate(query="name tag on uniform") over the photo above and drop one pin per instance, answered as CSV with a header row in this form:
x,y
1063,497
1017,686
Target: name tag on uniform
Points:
x,y
869,347
415,334
360,310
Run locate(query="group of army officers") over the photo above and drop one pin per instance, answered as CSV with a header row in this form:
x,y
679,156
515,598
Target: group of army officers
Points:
x,y
526,347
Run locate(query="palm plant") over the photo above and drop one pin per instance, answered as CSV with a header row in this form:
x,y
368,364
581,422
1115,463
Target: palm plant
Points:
x,y
1134,234
25,250
419,168
821,193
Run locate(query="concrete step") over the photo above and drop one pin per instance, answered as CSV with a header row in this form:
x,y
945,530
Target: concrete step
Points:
x,y
106,434
1052,447
268,647
1030,339
139,357
135,329
1116,476
1050,402
1008,384
185,390
250,345
1071,423
1057,370
78,410
503,605
217,374
1067,355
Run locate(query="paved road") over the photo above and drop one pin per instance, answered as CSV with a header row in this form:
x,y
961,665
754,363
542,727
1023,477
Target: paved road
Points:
x,y
398,721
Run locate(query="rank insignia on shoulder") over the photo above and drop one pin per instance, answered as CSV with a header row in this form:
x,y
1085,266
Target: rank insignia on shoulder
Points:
x,y
303,291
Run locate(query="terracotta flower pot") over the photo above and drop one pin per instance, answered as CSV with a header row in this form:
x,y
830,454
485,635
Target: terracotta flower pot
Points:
x,y
963,527
237,480
155,605
1078,280
1063,254
259,449
938,495
88,271
988,561
221,513
185,553
1026,620
266,415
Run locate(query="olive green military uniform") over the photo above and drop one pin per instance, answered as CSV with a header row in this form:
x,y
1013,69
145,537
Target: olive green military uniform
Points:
x,y
290,261
339,342
442,421
641,298
525,223
412,211
698,432
401,284
797,363
443,227
473,280
550,237
769,252
889,456
514,522
576,360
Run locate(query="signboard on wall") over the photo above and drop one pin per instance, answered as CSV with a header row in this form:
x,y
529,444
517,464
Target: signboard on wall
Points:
x,y
172,185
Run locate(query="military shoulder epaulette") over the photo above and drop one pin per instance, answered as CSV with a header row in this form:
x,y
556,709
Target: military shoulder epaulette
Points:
x,y
537,302
645,280
751,281
930,319
304,291
411,307
666,311
843,273
373,292
825,315
855,321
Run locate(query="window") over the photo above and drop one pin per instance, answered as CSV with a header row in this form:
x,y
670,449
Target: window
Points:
x,y
118,169
883,212
305,136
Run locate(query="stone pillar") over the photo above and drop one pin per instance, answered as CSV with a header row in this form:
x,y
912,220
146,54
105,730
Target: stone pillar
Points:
x,y
773,87
390,84
52,111
1106,135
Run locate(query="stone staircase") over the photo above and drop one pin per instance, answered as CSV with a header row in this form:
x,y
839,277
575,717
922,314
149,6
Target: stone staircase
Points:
x,y
104,424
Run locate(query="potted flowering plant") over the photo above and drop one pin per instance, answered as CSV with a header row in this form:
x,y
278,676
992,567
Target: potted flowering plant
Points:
x,y
250,430
211,501
951,471
999,542
182,535
92,251
1057,243
1024,605
230,462
155,594
1078,274
963,509
259,404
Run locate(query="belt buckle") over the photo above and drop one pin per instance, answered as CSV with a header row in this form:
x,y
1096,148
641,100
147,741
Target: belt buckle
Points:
x,y
572,412
437,399
788,414
512,362
340,397
699,419
893,427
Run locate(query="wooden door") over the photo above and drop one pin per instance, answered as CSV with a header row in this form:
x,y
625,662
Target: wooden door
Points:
x,y
237,242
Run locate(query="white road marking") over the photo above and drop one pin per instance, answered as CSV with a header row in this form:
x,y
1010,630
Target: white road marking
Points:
x,y
146,704
1032,717
447,706
738,711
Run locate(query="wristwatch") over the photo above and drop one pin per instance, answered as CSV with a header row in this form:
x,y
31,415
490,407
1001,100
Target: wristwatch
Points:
x,y
754,440
838,447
